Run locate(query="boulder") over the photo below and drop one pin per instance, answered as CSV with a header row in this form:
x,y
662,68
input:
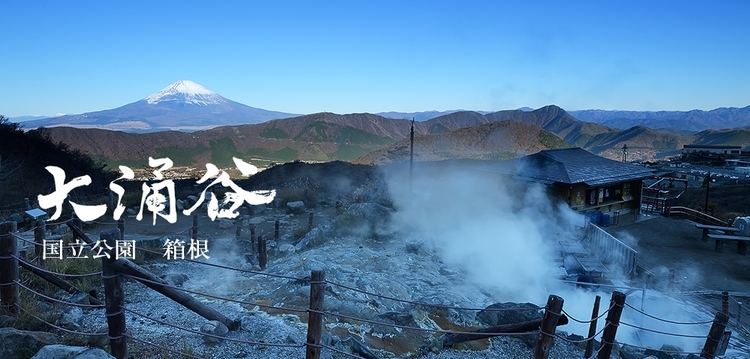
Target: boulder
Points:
x,y
296,207
254,221
179,205
191,200
287,249
15,217
71,318
364,219
214,329
315,237
175,279
505,313
257,209
22,344
226,223
59,351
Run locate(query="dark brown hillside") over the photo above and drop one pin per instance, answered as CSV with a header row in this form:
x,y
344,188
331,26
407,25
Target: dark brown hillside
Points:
x,y
116,144
739,137
642,142
453,121
492,141
556,120
374,124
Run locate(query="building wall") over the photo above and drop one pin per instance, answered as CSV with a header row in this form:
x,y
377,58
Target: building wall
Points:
x,y
623,197
729,150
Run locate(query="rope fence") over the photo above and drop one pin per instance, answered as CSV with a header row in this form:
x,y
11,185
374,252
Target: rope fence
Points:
x,y
553,311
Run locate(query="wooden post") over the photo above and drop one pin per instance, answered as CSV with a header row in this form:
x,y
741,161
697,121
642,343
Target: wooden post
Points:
x,y
552,313
310,222
39,231
238,232
315,317
26,204
725,302
262,254
114,298
55,280
194,235
613,321
276,231
714,335
592,328
121,227
125,266
8,266
253,246
78,223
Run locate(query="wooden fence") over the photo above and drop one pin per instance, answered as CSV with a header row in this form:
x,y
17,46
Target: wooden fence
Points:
x,y
113,270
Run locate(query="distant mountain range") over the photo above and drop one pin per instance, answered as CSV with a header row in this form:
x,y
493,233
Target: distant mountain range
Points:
x,y
161,124
181,106
421,116
684,122
369,138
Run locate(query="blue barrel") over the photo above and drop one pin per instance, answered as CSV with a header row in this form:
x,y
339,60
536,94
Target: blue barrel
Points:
x,y
605,220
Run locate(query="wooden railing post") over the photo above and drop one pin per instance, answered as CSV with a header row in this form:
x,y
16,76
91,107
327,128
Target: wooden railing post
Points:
x,y
613,321
714,335
310,222
114,298
315,315
552,313
39,232
121,227
262,254
79,224
725,302
592,328
253,246
8,266
194,229
276,231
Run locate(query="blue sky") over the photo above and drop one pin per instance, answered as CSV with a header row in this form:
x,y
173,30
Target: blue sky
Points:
x,y
356,56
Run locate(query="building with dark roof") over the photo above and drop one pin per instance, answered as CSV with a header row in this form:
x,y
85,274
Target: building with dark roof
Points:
x,y
582,179
713,149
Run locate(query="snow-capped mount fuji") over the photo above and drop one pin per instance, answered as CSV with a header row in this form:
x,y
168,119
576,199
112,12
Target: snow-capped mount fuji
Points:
x,y
186,92
181,106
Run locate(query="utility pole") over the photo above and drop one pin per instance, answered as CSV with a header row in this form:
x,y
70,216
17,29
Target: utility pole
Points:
x,y
708,184
411,158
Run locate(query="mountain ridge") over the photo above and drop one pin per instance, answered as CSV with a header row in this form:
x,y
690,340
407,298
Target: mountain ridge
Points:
x,y
183,105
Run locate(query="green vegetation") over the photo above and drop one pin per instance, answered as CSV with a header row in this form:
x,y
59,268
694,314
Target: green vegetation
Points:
x,y
437,128
182,156
285,154
314,132
222,151
274,132
24,155
349,152
549,140
355,136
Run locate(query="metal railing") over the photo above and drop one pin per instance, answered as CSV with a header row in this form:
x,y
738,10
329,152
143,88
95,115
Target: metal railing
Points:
x,y
609,249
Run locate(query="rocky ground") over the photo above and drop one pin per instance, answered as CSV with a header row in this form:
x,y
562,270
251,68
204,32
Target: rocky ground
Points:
x,y
354,244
